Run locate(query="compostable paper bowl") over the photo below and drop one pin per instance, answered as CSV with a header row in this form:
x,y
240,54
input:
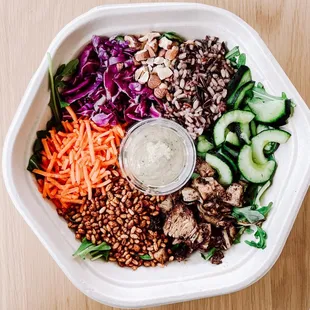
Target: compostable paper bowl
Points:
x,y
195,278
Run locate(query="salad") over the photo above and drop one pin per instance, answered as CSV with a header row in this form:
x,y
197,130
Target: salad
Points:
x,y
117,82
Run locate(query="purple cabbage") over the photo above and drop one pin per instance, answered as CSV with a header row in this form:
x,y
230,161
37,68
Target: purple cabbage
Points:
x,y
104,88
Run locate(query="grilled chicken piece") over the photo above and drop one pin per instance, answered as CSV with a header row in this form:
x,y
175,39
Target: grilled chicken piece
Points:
x,y
209,188
180,223
166,205
190,195
204,236
161,256
204,169
234,195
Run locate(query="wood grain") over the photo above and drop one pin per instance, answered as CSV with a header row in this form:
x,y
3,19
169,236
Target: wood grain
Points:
x,y
29,278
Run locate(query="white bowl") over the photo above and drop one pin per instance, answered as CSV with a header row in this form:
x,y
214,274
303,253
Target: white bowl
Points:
x,y
120,287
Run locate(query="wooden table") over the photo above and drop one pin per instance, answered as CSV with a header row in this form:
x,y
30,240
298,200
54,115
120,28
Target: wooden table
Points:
x,y
29,278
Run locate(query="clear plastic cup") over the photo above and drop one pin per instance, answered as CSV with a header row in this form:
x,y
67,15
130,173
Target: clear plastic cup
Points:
x,y
129,156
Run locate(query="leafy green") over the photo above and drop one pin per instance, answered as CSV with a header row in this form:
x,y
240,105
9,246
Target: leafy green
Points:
x,y
69,68
63,104
238,235
247,213
202,155
248,230
96,251
119,38
173,36
261,235
146,257
241,60
265,209
209,254
195,176
34,162
54,105
233,53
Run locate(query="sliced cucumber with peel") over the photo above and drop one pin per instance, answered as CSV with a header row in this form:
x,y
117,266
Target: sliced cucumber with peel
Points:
x,y
253,172
244,133
262,139
232,138
236,116
222,168
204,146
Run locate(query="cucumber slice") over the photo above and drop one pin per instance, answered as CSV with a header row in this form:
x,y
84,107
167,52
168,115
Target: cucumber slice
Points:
x,y
262,127
261,192
262,139
236,116
222,168
232,138
270,148
242,76
230,149
253,129
244,133
253,172
236,98
222,154
271,112
204,146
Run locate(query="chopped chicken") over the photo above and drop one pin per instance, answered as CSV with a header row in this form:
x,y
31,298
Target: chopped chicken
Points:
x,y
204,169
166,205
204,236
190,194
234,195
180,223
209,188
161,256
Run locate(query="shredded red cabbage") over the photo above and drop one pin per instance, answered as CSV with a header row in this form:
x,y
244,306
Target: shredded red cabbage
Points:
x,y
104,88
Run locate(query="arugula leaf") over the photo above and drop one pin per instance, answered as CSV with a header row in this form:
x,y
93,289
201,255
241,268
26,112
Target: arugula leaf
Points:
x,y
173,37
241,60
88,247
252,216
70,68
265,210
261,235
233,53
248,230
63,104
120,38
60,70
34,162
238,235
53,101
195,176
84,245
209,254
146,257
260,85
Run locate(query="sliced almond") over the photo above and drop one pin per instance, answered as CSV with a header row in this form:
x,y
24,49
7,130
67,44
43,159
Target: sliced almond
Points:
x,y
133,42
154,81
151,51
144,77
163,86
142,55
165,43
172,53
150,61
167,63
162,52
164,73
159,60
139,72
160,92
153,45
149,36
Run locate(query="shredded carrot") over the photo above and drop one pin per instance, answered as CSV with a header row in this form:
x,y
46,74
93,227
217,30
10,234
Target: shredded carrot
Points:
x,y
77,160
72,114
